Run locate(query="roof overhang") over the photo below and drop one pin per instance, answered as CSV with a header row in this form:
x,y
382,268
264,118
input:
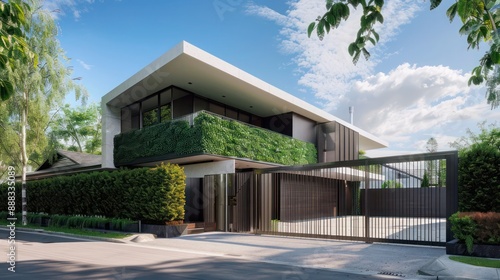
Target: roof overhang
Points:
x,y
193,69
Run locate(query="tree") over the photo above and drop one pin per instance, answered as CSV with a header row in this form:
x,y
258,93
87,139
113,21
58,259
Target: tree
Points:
x,y
425,181
431,145
489,135
40,84
78,129
432,166
13,46
480,19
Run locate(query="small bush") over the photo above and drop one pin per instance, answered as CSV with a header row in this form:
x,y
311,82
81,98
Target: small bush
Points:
x,y
476,227
391,184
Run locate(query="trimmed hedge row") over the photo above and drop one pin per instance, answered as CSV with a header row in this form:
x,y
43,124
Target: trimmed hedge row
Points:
x,y
150,194
476,228
212,135
478,178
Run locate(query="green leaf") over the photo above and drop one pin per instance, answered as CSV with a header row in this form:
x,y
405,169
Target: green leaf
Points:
x,y
327,27
6,90
320,29
372,41
329,4
356,57
353,47
310,28
375,34
435,4
452,11
365,53
331,19
379,3
379,17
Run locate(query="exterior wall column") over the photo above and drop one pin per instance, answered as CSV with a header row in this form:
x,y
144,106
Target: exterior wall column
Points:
x,y
111,126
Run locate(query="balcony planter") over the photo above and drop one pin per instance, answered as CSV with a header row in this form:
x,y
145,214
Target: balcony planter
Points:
x,y
454,247
167,231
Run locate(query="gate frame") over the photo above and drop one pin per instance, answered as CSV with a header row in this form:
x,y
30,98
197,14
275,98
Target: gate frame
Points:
x,y
451,185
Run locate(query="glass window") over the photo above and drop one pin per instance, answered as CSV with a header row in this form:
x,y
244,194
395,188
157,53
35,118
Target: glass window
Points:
x,y
130,118
166,105
126,118
231,113
200,104
150,111
216,108
257,121
165,113
244,117
183,106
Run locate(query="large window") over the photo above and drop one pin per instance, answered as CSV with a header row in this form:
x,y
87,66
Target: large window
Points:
x,y
182,102
130,117
173,103
150,111
166,106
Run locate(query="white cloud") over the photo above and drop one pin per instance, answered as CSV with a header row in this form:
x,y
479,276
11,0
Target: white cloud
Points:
x,y
84,65
405,106
60,8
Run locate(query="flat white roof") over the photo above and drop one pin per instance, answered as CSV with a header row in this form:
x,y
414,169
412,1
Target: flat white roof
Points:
x,y
193,69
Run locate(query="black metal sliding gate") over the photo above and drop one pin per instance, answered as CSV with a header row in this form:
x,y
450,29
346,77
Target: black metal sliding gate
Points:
x,y
403,199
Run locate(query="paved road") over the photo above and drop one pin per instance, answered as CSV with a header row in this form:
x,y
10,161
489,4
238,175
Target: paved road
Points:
x,y
45,256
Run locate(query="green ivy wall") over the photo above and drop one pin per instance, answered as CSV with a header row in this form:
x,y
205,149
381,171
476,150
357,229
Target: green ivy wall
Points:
x,y
211,134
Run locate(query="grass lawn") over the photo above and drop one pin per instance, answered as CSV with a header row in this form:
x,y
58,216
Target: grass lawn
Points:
x,y
495,263
75,231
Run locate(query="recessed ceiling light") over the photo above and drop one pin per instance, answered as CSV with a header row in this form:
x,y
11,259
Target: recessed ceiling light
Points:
x,y
251,106
224,96
189,83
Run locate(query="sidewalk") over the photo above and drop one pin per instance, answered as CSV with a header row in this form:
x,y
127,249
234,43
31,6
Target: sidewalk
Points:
x,y
380,260
398,261
357,257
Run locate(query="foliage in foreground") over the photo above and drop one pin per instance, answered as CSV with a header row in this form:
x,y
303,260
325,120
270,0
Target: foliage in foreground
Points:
x,y
150,194
480,19
476,228
478,176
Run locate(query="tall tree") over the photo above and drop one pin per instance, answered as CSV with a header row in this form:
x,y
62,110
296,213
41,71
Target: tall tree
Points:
x,y
432,166
480,19
13,46
431,145
78,129
40,84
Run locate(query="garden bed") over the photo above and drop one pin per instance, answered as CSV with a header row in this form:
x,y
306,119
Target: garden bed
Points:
x,y
167,231
454,247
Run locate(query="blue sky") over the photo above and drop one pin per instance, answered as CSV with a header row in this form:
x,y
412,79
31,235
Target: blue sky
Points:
x,y
414,87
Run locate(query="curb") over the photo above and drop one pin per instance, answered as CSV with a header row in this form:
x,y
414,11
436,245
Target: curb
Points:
x,y
78,236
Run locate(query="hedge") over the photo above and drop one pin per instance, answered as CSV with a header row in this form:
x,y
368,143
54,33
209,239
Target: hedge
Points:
x,y
211,134
150,194
476,228
478,178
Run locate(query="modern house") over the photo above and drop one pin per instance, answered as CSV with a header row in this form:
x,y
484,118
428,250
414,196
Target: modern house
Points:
x,y
191,108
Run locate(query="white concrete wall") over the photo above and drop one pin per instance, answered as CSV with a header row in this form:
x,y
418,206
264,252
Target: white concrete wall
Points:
x,y
111,125
201,169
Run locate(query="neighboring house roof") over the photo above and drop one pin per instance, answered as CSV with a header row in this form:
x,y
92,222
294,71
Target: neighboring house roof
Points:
x,y
67,162
193,69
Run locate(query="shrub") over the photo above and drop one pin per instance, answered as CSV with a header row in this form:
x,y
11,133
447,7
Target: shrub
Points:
x,y
425,181
463,228
476,227
478,178
154,194
391,184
